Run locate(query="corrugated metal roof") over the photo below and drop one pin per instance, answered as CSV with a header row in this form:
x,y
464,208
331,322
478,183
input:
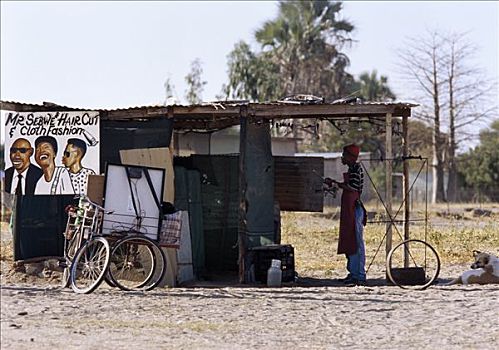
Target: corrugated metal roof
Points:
x,y
42,106
216,105
211,116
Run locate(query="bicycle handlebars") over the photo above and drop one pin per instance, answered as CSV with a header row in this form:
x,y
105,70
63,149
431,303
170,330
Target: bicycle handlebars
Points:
x,y
92,203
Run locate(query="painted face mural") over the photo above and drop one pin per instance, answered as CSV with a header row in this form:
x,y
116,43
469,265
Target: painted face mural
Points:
x,y
70,156
20,153
45,150
44,154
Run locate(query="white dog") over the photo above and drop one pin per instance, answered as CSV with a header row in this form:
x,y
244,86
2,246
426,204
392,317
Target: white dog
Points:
x,y
485,270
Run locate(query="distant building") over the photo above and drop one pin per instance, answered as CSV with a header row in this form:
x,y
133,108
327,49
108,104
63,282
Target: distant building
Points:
x,y
225,142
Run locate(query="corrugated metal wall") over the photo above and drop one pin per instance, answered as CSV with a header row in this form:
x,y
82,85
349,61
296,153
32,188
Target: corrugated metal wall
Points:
x,y
39,222
298,183
218,184
188,197
220,192
259,177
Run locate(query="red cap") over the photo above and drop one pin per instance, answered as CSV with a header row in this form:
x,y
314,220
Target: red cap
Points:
x,y
352,150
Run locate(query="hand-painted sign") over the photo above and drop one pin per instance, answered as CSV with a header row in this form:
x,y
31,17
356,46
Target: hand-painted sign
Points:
x,y
50,152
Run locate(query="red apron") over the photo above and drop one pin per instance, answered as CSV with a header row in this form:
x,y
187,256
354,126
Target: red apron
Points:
x,y
347,243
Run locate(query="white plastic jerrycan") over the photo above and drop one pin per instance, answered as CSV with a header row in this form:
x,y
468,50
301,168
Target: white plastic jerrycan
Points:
x,y
274,274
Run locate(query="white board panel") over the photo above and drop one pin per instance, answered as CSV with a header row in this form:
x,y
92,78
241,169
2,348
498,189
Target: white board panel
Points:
x,y
120,195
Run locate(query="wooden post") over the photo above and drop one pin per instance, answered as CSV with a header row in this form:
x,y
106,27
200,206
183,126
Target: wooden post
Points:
x,y
174,146
388,168
405,145
242,192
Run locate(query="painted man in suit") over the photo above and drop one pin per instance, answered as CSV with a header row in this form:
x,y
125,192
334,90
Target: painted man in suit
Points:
x,y
22,176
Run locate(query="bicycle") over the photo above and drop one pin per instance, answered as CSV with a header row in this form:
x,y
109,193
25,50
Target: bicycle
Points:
x,y
86,253
130,262
83,219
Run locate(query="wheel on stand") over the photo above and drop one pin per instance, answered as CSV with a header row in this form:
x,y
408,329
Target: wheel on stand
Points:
x,y
137,263
412,264
90,265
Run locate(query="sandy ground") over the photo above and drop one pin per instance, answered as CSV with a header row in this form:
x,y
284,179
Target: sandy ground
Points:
x,y
311,314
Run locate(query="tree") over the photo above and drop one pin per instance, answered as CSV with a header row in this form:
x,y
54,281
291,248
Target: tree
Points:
x,y
170,94
423,64
373,89
420,138
299,53
195,84
453,93
469,100
479,167
300,49
305,40
252,76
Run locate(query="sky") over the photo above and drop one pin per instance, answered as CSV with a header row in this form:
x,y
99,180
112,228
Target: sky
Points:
x,y
119,54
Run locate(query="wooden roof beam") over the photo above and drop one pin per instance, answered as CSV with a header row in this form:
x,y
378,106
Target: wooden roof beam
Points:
x,y
310,111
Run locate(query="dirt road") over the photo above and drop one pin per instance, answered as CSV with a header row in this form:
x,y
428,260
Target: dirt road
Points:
x,y
303,317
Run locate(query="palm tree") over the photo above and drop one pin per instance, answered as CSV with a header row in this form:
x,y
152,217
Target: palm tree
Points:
x,y
374,89
251,76
305,41
301,53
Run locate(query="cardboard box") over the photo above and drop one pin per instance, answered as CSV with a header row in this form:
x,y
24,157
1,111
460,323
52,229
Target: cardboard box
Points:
x,y
95,188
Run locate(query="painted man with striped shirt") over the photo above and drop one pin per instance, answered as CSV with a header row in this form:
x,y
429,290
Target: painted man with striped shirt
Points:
x,y
352,217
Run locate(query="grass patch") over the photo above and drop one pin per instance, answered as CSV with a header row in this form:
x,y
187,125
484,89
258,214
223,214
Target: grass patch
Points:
x,y
315,238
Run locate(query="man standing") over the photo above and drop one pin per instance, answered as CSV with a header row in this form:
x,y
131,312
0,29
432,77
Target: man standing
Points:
x,y
73,154
55,179
23,180
352,217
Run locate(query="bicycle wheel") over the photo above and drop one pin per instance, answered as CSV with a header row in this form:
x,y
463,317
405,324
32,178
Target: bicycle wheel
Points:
x,y
412,264
135,263
90,265
71,247
108,279
66,277
160,270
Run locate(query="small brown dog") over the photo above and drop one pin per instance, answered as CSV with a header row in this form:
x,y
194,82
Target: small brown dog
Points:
x,y
485,270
